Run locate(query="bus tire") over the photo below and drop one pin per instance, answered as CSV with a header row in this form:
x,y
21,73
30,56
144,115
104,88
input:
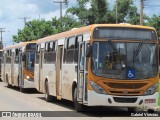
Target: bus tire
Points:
x,y
47,96
78,106
8,85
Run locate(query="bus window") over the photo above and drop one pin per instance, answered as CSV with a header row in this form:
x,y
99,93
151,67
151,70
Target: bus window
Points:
x,y
82,57
16,56
70,50
38,53
30,60
79,38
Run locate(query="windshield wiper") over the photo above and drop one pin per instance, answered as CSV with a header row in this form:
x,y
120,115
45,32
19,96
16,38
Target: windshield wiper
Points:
x,y
136,52
113,46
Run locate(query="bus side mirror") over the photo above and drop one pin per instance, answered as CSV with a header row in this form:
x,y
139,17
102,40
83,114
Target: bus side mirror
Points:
x,y
88,50
23,57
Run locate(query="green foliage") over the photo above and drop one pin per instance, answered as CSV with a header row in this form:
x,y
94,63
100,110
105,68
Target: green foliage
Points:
x,y
100,12
126,12
80,11
154,22
86,12
34,30
67,23
40,28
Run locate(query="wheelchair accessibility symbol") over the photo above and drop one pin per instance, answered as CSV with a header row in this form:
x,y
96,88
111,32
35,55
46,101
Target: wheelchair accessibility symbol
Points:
x,y
131,73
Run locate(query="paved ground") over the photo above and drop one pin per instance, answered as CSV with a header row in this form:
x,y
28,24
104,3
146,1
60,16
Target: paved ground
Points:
x,y
13,100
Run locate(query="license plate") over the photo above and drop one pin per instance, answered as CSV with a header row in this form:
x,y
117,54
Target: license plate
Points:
x,y
150,101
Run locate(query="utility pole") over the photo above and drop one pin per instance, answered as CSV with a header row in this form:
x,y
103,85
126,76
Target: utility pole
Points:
x,y
141,11
116,11
25,19
1,32
60,2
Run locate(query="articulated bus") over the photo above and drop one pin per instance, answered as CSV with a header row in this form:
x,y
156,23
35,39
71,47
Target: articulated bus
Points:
x,y
18,65
100,65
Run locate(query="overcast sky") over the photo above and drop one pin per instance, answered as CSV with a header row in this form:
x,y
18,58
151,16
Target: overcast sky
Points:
x,y
12,10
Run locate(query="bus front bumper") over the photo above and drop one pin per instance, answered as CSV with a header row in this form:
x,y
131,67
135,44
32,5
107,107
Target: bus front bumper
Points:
x,y
140,102
28,84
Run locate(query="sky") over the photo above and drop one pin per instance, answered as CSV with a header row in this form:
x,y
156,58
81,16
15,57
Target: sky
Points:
x,y
11,12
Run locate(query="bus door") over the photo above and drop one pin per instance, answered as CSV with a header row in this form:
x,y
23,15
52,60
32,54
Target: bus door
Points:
x,y
59,72
41,70
4,66
21,59
12,68
80,79
82,73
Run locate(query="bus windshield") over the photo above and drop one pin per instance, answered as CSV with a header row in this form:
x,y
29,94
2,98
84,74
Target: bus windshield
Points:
x,y
30,58
115,59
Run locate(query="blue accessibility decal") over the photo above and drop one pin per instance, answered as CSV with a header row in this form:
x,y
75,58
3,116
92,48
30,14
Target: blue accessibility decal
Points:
x,y
131,73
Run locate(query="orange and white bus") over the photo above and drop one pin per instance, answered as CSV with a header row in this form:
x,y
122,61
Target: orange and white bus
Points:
x,y
100,65
18,65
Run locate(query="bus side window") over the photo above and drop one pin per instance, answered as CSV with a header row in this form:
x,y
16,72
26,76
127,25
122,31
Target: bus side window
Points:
x,y
51,46
48,50
82,57
54,52
38,53
38,49
16,55
46,47
70,49
65,50
79,38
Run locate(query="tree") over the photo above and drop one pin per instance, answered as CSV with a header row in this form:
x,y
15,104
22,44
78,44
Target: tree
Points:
x,y
126,12
80,11
34,30
100,12
68,22
154,22
96,13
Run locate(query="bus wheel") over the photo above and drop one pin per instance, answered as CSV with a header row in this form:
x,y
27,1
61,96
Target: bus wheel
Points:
x,y
47,96
8,85
78,106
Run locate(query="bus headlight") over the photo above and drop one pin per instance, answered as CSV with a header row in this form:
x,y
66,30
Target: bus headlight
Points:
x,y
151,90
28,78
97,88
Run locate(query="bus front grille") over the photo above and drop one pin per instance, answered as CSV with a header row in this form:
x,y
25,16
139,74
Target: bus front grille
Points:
x,y
124,100
125,92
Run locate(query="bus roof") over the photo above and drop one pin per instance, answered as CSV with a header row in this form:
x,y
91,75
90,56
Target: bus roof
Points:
x,y
88,29
18,45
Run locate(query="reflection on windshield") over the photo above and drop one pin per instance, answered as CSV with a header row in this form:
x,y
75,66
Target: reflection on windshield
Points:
x,y
30,58
106,62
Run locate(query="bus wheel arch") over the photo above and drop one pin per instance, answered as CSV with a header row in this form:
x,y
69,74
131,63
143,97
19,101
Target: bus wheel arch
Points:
x,y
7,81
74,86
77,105
18,81
48,97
